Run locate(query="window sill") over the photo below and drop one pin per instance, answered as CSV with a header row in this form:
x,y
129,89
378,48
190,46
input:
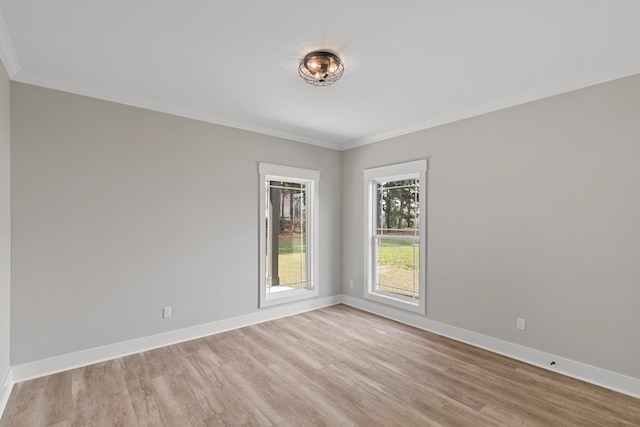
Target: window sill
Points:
x,y
397,301
286,295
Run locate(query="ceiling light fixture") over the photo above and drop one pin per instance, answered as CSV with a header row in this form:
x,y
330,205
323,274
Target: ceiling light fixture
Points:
x,y
321,68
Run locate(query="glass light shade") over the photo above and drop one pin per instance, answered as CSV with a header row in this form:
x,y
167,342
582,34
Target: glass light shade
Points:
x,y
321,68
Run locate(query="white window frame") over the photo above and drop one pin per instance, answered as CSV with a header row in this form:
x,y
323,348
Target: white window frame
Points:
x,y
272,172
401,171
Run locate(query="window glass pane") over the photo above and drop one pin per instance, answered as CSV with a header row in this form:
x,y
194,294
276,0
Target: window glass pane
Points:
x,y
397,207
397,237
398,266
286,227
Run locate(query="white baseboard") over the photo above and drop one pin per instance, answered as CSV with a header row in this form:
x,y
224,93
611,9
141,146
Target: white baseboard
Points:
x,y
604,378
65,362
5,390
591,374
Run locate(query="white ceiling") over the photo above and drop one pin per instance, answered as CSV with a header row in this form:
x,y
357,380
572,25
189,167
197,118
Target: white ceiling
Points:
x,y
409,64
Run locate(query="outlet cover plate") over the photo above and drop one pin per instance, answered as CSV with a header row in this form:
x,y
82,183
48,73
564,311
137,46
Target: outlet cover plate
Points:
x,y
166,312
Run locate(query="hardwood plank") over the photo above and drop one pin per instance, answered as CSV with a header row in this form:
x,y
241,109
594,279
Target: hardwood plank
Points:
x,y
56,398
24,402
87,408
115,396
333,366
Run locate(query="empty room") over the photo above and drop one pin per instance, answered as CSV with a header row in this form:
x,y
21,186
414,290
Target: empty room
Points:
x,y
364,213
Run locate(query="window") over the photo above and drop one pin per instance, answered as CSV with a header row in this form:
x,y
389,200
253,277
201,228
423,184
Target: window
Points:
x,y
288,234
395,227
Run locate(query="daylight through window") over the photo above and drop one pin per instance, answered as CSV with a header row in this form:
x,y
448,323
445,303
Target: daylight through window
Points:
x,y
397,237
288,206
286,228
395,228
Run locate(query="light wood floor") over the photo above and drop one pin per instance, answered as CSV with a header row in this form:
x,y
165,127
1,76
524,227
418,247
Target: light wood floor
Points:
x,y
336,366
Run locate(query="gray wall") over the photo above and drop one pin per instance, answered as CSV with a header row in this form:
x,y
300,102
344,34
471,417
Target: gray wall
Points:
x,y
533,212
5,223
120,211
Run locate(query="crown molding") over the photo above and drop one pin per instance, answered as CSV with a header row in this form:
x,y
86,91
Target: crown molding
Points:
x,y
172,109
546,91
7,54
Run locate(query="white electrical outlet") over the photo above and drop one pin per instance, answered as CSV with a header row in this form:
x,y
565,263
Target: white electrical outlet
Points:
x,y
351,283
166,312
521,324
